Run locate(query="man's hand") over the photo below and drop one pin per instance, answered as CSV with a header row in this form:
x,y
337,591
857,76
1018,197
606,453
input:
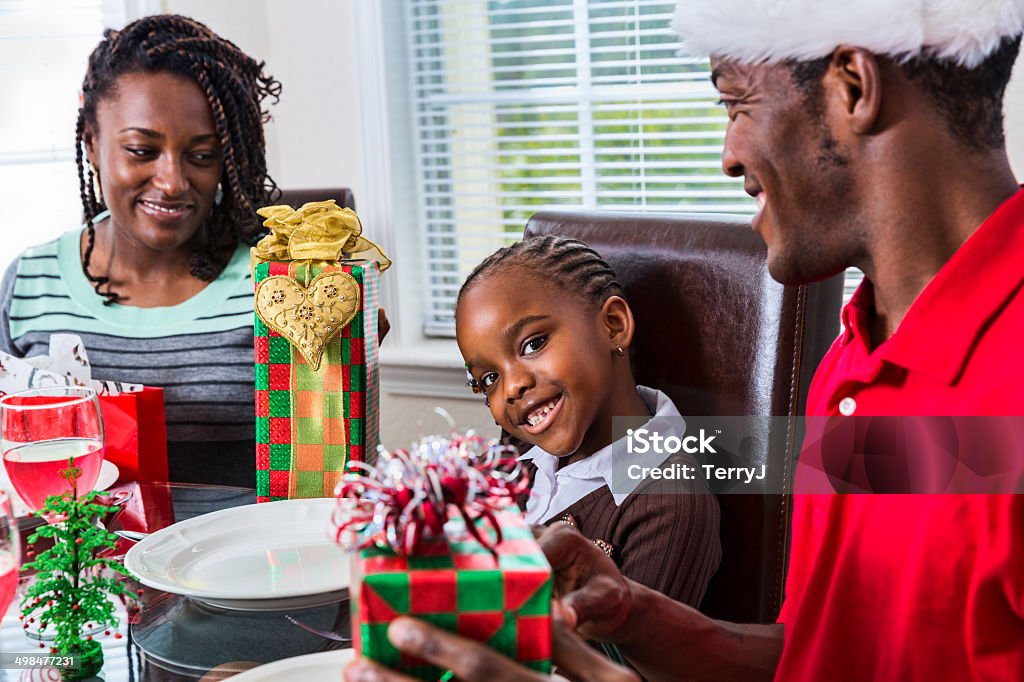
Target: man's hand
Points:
x,y
659,636
472,661
594,594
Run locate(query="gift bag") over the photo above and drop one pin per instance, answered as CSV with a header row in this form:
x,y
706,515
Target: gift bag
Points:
x,y
134,429
317,400
135,432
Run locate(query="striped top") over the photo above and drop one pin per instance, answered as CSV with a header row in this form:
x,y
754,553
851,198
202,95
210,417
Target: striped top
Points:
x,y
199,351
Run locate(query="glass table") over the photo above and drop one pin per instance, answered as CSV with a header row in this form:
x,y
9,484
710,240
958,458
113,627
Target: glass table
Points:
x,y
173,637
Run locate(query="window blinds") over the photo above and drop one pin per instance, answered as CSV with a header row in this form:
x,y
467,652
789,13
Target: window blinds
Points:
x,y
522,105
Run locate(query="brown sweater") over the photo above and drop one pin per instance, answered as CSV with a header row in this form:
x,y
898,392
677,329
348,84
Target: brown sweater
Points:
x,y
661,536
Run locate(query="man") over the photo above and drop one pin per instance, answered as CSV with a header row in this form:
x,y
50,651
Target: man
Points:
x,y
871,136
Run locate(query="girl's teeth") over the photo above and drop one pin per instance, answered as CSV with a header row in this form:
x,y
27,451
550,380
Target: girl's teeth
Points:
x,y
761,200
538,416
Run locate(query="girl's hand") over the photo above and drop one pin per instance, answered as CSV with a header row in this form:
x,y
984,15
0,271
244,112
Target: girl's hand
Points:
x,y
472,661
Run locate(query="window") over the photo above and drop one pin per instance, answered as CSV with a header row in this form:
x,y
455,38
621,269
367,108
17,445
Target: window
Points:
x,y
44,49
521,105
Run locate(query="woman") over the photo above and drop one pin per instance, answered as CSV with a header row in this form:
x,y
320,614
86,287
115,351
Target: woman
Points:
x,y
157,281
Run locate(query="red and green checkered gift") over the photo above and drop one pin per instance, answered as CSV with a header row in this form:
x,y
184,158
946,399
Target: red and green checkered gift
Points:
x,y
436,537
317,401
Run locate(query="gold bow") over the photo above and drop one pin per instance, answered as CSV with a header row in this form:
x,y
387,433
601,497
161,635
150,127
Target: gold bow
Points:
x,y
319,231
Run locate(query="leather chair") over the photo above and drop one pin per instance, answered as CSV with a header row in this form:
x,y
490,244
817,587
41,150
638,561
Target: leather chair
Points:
x,y
721,338
298,197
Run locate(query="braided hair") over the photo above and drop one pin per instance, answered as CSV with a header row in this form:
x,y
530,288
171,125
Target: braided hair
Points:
x,y
235,86
568,263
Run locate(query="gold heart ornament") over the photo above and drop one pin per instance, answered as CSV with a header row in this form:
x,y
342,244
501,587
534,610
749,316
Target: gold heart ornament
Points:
x,y
309,317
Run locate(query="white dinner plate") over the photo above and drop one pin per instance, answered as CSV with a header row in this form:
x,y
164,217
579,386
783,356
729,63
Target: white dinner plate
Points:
x,y
260,557
322,667
108,475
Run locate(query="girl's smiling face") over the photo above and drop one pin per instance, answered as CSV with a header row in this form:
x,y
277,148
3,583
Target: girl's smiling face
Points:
x,y
546,359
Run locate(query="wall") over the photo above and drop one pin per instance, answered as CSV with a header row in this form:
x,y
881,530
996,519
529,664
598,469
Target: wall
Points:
x,y
314,141
313,137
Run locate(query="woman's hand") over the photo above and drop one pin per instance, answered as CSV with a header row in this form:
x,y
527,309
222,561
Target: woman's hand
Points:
x,y
472,661
383,326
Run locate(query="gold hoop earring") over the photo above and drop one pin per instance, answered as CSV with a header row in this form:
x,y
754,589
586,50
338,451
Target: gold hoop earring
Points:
x,y
97,188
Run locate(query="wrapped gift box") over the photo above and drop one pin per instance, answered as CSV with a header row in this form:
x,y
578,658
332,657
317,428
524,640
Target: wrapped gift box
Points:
x,y
317,399
502,598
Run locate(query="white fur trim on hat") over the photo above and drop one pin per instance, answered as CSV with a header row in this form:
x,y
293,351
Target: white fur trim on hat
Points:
x,y
753,31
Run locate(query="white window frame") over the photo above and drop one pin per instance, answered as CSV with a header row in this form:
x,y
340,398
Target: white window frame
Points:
x,y
416,364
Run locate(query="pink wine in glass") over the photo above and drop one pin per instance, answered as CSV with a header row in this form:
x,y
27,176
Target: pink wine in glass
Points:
x,y
35,468
8,579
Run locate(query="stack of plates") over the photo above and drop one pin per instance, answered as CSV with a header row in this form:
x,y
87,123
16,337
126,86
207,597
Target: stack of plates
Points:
x,y
262,557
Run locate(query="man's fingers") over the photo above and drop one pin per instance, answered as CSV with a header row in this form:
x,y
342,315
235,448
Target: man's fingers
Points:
x,y
599,599
564,546
577,660
588,583
469,660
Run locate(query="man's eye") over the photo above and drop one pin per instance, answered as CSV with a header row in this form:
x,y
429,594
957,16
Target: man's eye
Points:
x,y
533,345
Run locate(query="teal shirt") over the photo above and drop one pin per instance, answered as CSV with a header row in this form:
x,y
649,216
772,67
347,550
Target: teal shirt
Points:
x,y
199,351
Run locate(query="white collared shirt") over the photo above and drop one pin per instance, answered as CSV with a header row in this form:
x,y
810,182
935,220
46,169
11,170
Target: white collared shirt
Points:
x,y
556,489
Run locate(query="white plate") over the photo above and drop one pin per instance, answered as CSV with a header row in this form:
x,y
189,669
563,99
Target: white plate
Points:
x,y
260,557
108,476
322,667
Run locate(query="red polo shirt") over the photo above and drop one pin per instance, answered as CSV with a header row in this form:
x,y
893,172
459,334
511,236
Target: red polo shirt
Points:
x,y
919,587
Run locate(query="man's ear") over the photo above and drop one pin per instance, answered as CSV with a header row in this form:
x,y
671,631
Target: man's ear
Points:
x,y
617,320
854,77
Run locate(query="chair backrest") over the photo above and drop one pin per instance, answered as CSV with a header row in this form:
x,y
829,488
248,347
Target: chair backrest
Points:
x,y
721,338
298,197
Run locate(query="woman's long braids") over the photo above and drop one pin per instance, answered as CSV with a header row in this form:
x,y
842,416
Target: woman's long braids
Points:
x,y
235,85
567,263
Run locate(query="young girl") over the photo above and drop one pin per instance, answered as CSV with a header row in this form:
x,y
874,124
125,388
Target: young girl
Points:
x,y
545,333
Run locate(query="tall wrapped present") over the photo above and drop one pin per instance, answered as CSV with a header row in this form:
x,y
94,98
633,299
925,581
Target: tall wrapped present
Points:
x,y
435,535
316,302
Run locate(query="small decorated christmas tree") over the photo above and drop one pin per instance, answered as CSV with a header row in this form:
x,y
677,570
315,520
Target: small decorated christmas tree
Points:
x,y
73,583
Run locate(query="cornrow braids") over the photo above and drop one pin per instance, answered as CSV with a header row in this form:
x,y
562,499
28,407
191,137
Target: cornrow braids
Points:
x,y
235,86
568,263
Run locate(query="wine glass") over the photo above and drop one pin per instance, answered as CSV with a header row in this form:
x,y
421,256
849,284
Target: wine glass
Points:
x,y
51,440
10,553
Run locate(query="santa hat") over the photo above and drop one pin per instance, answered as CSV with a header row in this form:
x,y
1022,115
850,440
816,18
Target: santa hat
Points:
x,y
752,31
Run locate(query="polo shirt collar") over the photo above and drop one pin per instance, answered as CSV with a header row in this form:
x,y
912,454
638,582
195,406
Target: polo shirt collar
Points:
x,y
944,322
